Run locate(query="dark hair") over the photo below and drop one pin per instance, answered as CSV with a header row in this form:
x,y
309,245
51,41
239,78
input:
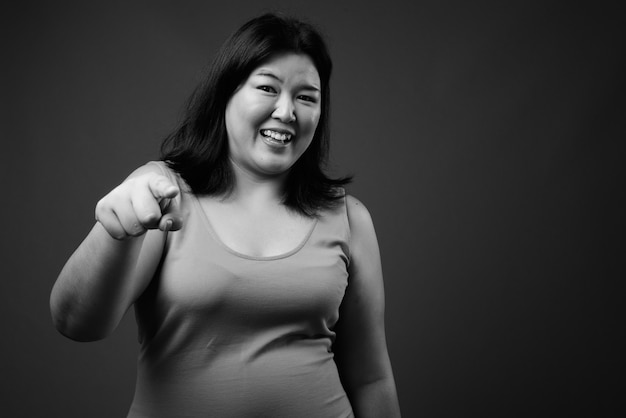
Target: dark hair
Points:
x,y
198,148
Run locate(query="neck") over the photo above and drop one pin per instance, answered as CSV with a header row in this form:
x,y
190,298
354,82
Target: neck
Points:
x,y
253,188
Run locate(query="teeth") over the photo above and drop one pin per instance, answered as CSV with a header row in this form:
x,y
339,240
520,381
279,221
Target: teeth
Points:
x,y
276,135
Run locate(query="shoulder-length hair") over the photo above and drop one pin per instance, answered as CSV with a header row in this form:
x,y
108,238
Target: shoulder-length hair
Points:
x,y
198,148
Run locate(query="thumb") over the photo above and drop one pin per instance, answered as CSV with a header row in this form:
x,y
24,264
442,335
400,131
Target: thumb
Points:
x,y
162,188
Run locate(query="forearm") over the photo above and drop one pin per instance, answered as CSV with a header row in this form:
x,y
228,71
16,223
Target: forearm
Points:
x,y
95,287
375,400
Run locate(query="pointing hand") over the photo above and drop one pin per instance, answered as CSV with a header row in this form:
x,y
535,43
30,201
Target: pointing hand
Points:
x,y
144,202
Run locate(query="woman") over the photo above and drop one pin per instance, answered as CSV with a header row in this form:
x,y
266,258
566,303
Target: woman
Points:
x,y
256,281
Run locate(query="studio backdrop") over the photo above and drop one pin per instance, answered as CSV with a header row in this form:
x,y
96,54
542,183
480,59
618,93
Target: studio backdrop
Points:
x,y
486,139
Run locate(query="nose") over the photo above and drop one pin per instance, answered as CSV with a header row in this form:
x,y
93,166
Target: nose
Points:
x,y
285,110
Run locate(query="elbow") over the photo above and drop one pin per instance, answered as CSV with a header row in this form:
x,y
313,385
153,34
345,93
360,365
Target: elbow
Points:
x,y
76,332
71,326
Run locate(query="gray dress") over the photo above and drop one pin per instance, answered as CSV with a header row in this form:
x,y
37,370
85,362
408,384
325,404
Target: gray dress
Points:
x,y
224,334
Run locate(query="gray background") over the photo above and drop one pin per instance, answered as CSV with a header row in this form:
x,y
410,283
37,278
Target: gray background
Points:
x,y
487,140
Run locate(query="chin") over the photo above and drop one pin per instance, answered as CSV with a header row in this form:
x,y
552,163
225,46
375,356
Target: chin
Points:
x,y
276,171
275,165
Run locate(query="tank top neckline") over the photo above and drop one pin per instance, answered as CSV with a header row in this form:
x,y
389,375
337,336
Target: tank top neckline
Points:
x,y
218,240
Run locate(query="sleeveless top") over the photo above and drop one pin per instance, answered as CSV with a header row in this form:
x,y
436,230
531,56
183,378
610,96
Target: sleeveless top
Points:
x,y
224,334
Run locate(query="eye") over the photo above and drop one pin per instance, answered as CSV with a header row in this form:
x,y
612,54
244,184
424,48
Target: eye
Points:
x,y
306,98
268,89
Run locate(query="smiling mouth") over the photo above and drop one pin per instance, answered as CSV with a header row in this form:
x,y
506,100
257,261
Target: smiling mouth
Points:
x,y
274,137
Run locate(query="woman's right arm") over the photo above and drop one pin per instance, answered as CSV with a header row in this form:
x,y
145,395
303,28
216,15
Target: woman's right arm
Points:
x,y
116,261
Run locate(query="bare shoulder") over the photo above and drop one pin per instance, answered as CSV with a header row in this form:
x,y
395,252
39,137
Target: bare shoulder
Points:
x,y
358,215
156,167
363,235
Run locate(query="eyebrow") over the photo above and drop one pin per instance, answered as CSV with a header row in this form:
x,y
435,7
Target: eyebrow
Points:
x,y
269,74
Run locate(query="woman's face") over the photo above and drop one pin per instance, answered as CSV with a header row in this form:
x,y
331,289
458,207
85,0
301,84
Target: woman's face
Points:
x,y
271,118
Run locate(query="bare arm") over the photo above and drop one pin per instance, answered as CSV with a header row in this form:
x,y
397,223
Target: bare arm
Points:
x,y
361,348
117,259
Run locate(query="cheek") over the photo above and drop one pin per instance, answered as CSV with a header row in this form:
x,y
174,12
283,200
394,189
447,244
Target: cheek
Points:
x,y
231,118
313,120
309,129
244,114
254,111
